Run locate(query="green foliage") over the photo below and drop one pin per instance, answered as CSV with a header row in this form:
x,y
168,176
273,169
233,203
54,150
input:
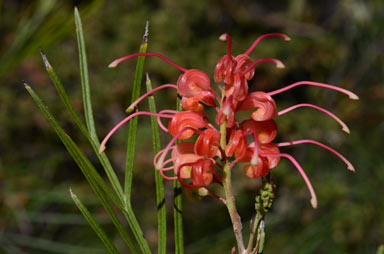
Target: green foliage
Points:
x,y
178,209
160,192
96,227
100,188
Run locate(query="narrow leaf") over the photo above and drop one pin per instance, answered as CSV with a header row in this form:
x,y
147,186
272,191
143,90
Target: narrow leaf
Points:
x,y
178,210
86,91
160,195
84,76
127,211
64,96
131,148
94,179
132,131
76,118
95,226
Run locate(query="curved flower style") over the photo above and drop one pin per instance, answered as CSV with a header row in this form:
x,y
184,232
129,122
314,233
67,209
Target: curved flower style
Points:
x,y
203,162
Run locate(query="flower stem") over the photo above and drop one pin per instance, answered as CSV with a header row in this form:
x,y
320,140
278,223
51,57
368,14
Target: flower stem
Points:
x,y
231,206
230,199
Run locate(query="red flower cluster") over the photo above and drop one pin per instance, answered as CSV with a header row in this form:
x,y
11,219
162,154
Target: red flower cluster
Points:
x,y
202,161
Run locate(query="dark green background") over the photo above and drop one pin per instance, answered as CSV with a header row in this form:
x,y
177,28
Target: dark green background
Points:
x,y
336,42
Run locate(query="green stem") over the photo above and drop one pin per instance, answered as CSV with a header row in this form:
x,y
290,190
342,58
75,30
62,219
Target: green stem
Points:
x,y
223,132
231,204
178,209
256,223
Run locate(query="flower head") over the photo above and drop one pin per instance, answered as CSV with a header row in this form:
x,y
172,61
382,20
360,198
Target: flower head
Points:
x,y
226,141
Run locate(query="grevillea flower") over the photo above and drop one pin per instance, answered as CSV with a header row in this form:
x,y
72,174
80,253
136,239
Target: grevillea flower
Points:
x,y
199,162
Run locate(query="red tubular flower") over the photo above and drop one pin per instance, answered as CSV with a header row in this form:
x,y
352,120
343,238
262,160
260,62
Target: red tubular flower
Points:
x,y
227,64
266,130
240,87
201,173
183,153
259,170
192,82
224,69
266,106
208,144
193,103
270,148
227,112
237,144
243,62
186,119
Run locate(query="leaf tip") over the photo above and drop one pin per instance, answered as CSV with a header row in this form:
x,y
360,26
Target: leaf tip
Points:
x,y
146,33
73,195
26,85
147,79
45,60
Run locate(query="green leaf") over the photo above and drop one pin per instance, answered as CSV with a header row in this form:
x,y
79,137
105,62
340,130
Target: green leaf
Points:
x,y
178,210
84,76
86,91
95,226
64,96
132,131
75,116
131,148
94,179
160,195
127,210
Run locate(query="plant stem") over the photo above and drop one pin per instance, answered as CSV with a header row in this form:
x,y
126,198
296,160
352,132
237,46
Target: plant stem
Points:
x,y
258,217
230,199
231,206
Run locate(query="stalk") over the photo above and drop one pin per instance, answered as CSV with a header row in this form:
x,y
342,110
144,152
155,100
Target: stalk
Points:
x,y
230,199
231,206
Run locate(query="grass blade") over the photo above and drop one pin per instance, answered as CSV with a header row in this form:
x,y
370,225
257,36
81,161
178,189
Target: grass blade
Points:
x,y
132,131
95,226
94,179
160,194
86,91
178,210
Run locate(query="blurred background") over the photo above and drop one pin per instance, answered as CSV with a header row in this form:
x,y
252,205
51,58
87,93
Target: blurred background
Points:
x,y
337,42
